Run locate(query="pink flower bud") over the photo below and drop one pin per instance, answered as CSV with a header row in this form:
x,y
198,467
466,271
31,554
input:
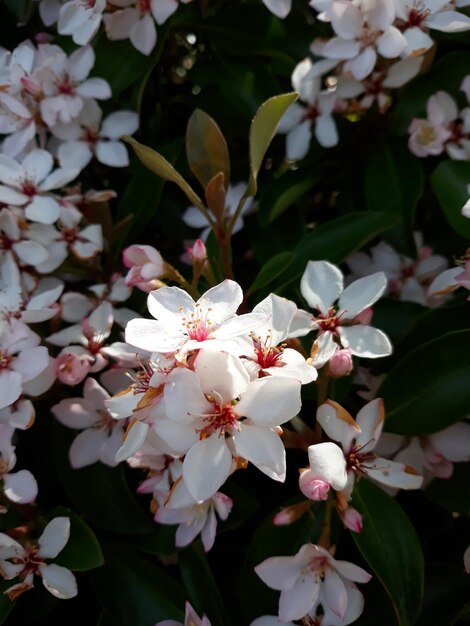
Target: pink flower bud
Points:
x,y
145,265
341,363
352,519
364,317
198,251
313,488
283,518
71,369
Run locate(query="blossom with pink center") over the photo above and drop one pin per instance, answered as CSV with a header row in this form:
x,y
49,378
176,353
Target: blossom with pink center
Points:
x,y
416,17
81,19
407,278
101,435
430,136
21,359
356,458
19,487
178,507
321,285
190,619
27,561
186,325
145,265
90,136
312,578
27,185
215,415
268,356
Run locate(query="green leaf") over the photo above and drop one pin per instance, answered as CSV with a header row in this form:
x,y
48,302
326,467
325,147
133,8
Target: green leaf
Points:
x,y
203,592
134,591
271,270
21,9
157,163
110,503
393,184
282,194
446,594
428,389
389,544
206,149
262,130
452,493
450,181
6,605
335,240
82,551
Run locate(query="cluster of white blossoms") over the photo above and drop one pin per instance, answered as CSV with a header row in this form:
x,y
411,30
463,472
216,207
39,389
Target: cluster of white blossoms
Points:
x,y
445,129
48,100
123,19
377,47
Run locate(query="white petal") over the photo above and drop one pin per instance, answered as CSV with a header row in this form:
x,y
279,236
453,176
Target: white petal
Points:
x,y
326,131
417,41
270,401
120,123
453,442
280,8
112,153
221,372
321,285
75,413
449,22
21,487
86,447
263,448
144,35
279,572
337,423
298,141
59,581
296,602
224,300
134,439
43,209
363,64
392,474
365,341
206,467
97,88
370,419
162,9
334,593
38,164
10,387
392,43
54,537
327,463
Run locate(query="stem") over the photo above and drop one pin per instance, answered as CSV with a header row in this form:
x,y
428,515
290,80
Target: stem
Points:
x,y
324,540
322,396
223,239
235,216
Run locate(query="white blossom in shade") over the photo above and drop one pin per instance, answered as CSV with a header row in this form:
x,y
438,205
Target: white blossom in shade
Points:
x,y
191,618
49,11
19,487
215,415
194,218
15,240
18,120
66,85
432,455
187,325
416,18
136,21
313,112
430,136
280,8
377,87
90,136
269,356
358,440
193,518
101,435
27,561
21,359
27,185
322,284
362,32
20,414
311,578
81,19
145,265
408,279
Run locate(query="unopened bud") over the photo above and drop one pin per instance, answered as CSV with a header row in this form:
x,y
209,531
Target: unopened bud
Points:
x,y
341,363
352,519
290,514
198,251
312,487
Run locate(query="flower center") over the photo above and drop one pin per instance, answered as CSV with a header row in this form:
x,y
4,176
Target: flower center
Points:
x,y
28,187
5,360
66,86
5,242
357,460
222,420
143,6
426,135
90,136
198,326
267,355
416,16
330,321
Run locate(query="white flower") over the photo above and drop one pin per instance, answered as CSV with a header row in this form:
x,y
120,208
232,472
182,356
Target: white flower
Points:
x,y
322,284
25,562
21,359
145,265
187,325
310,578
81,19
88,136
101,436
190,619
215,414
26,185
430,136
358,440
19,487
194,218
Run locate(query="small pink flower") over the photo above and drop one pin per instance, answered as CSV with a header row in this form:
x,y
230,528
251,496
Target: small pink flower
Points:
x,y
72,368
146,266
312,487
341,363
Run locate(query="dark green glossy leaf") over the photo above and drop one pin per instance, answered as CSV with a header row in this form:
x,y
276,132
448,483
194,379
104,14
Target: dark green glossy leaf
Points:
x,y
271,270
203,592
446,594
6,605
389,544
335,240
82,551
21,9
393,184
428,389
262,130
206,149
450,181
109,504
452,493
134,591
